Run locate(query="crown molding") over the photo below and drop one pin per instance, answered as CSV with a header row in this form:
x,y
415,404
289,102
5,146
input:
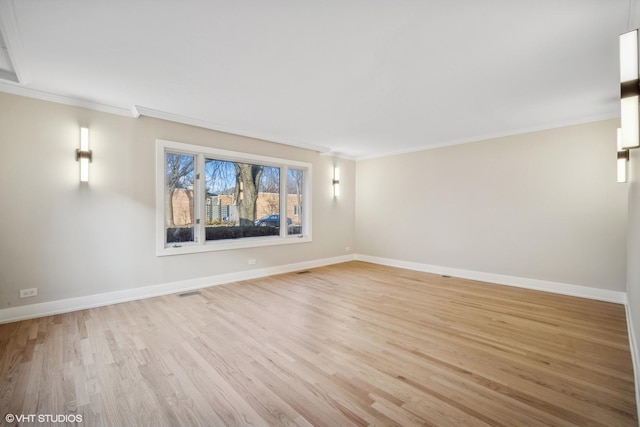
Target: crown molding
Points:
x,y
137,111
338,155
67,100
486,137
163,115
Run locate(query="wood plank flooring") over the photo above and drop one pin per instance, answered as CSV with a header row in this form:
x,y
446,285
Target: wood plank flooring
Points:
x,y
349,344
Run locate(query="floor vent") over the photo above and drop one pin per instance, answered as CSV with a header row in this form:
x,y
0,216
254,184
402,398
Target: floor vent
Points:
x,y
303,272
446,276
188,294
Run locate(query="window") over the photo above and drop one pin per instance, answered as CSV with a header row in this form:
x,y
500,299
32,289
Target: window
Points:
x,y
210,199
295,186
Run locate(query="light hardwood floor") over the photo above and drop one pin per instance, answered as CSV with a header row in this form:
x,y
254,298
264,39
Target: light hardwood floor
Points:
x,y
350,344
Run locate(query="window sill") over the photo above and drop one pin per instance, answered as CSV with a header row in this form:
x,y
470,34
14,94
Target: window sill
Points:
x,y
247,242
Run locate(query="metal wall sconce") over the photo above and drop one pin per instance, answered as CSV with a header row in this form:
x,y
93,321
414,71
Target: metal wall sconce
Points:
x,y
84,155
336,182
623,158
629,134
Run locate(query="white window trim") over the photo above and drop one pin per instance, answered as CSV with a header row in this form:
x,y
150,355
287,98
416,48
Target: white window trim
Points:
x,y
202,245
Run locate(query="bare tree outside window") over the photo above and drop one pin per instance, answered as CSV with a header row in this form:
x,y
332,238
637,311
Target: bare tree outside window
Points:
x,y
206,202
238,194
247,183
179,205
294,199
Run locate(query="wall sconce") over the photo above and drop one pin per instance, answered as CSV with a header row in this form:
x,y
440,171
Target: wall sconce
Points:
x,y
623,158
629,90
629,134
336,182
84,155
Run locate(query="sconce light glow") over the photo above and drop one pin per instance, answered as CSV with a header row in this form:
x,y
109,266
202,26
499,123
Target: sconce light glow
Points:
x,y
336,182
84,155
623,158
629,56
629,90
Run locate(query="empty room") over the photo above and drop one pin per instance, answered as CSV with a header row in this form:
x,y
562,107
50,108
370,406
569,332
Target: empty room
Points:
x,y
319,213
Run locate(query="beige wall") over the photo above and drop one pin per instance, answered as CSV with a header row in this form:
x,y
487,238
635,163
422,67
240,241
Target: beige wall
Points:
x,y
542,205
633,252
71,241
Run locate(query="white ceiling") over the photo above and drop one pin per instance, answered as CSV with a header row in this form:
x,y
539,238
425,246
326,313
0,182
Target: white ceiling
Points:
x,y
360,78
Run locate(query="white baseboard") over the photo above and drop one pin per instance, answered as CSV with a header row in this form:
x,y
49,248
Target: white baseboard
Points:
x,y
500,279
32,311
633,346
14,314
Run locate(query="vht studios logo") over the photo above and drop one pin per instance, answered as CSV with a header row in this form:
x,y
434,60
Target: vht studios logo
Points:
x,y
43,418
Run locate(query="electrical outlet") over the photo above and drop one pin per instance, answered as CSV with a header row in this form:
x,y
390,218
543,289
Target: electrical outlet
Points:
x,y
26,293
252,261
347,248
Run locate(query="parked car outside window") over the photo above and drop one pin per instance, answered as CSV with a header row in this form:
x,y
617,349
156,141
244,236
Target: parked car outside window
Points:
x,y
272,221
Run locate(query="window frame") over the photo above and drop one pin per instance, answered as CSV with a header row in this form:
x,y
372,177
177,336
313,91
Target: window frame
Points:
x,y
200,244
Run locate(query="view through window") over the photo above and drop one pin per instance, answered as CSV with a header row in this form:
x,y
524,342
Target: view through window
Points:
x,y
218,196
